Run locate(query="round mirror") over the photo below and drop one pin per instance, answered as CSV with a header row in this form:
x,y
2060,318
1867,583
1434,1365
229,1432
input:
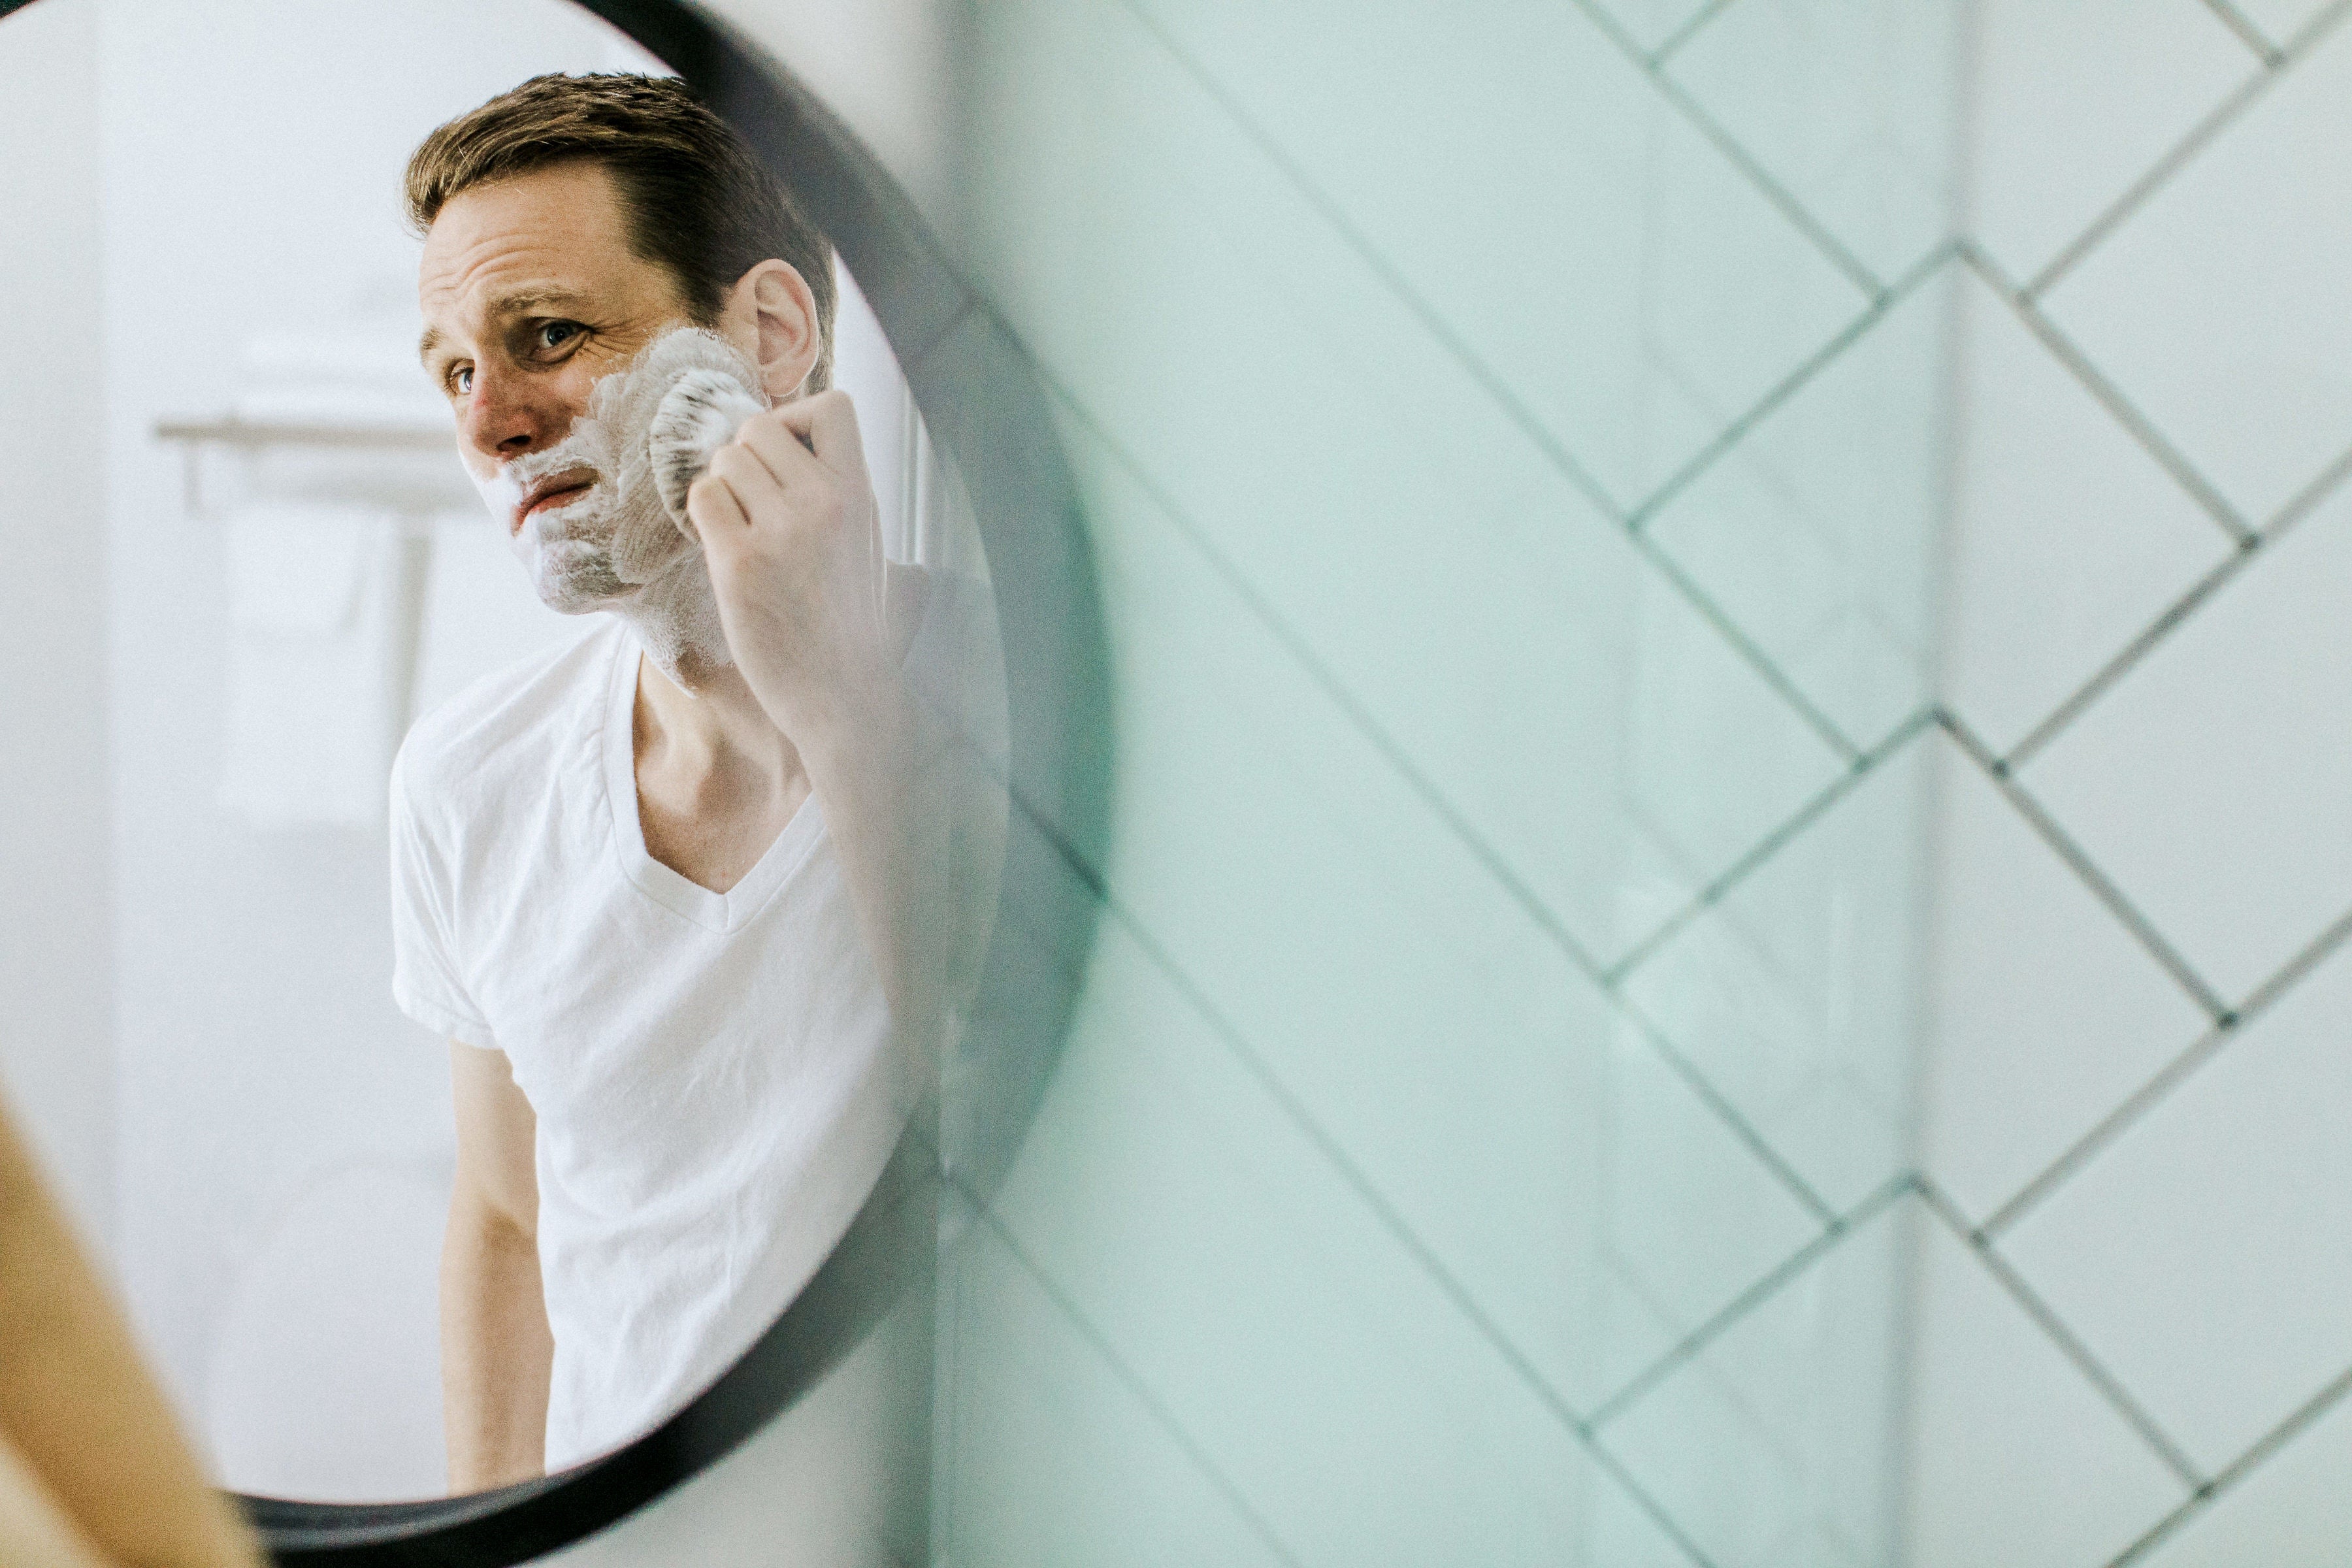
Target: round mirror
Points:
x,y
527,878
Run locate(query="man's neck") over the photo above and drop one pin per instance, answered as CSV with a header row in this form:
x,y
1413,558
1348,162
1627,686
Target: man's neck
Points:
x,y
717,781
716,730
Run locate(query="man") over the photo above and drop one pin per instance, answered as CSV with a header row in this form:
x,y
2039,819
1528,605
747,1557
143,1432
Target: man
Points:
x,y
676,893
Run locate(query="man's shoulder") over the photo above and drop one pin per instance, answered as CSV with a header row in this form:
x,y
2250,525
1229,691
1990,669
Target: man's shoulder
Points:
x,y
512,719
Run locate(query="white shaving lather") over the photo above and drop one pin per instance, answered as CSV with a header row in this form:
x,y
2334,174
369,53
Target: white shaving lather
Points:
x,y
648,434
688,392
700,414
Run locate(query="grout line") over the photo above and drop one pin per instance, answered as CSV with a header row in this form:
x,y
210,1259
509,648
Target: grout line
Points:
x,y
1485,854
1727,1112
1740,870
2137,1104
1669,1526
2064,350
2136,195
1500,870
2316,951
2116,668
1791,384
2095,381
1771,190
2300,506
1692,25
2309,36
2277,1438
1746,647
1337,1158
2063,1337
2276,61
1345,1168
1382,1211
2092,877
1138,1389
2248,34
2168,1077
1400,288
1748,1299
2159,174
1487,378
2306,501
1539,912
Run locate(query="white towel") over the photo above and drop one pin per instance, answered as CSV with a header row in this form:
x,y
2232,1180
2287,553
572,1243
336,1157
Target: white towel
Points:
x,y
480,614
318,662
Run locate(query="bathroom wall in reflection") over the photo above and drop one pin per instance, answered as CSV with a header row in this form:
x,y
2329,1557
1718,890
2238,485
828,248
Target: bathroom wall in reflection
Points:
x,y
1513,447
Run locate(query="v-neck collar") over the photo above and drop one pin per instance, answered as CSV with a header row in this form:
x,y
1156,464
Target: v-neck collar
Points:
x,y
681,895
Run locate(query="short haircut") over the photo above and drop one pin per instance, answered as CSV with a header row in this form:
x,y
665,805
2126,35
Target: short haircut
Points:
x,y
696,200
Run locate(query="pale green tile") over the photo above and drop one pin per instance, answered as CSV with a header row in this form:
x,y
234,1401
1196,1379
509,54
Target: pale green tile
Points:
x,y
1653,24
1816,533
1628,239
1482,1083
1453,581
1692,1218
1796,996
1271,1315
1849,106
1782,1426
1052,1460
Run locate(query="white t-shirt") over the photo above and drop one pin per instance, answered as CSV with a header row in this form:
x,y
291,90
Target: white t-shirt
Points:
x,y
710,1070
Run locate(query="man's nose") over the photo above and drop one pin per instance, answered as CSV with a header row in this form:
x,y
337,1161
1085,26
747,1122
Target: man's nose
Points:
x,y
506,417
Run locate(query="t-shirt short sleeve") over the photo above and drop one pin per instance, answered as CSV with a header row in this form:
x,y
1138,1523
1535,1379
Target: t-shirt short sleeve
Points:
x,y
425,981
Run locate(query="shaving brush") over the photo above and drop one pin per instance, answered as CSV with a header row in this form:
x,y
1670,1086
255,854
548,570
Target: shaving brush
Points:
x,y
679,401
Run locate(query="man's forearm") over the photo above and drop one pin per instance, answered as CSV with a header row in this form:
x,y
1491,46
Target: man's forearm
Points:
x,y
496,1353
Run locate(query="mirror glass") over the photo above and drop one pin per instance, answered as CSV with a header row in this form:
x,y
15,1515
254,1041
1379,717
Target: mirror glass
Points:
x,y
607,944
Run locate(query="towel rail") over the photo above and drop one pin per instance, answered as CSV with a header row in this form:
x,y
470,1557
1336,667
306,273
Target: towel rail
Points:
x,y
288,433
193,435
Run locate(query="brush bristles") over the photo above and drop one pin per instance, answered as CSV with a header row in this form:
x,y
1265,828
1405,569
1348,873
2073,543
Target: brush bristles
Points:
x,y
698,414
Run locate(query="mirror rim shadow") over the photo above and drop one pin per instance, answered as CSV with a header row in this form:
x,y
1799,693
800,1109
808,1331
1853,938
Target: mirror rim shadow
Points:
x,y
988,413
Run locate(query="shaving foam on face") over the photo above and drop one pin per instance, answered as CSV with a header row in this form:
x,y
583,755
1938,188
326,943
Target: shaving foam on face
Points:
x,y
622,546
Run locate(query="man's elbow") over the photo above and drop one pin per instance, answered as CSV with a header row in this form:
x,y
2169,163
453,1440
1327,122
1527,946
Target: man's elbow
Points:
x,y
483,1231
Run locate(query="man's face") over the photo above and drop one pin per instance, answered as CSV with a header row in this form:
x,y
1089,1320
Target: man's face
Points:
x,y
530,293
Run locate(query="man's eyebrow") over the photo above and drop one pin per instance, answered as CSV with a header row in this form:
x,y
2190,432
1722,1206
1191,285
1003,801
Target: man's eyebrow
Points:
x,y
512,304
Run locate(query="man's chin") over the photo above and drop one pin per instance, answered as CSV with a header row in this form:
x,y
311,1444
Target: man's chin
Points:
x,y
574,583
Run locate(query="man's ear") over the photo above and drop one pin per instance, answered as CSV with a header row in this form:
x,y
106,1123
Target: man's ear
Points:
x,y
772,315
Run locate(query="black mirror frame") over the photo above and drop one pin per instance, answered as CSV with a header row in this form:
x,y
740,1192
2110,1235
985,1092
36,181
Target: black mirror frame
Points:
x,y
987,410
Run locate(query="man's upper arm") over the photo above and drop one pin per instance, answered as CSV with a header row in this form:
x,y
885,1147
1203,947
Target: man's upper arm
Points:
x,y
496,1134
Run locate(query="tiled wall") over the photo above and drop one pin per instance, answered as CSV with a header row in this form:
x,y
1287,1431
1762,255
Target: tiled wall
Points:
x,y
1667,560
2131,1330
1512,446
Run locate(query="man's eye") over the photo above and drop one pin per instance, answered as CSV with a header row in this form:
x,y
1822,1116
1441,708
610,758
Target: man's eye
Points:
x,y
555,334
461,379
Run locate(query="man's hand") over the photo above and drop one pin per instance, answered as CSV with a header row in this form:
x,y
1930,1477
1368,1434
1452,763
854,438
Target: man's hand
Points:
x,y
789,527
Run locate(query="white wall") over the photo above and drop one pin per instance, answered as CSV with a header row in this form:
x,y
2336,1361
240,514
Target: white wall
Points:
x,y
2136,1279
252,160
56,955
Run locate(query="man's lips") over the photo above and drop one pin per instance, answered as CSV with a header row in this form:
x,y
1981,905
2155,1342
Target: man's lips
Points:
x,y
556,489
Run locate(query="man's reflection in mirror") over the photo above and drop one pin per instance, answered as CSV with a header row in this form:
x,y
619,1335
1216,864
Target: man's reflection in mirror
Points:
x,y
667,890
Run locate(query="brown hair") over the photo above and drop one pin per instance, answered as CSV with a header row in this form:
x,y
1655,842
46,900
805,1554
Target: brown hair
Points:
x,y
697,202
